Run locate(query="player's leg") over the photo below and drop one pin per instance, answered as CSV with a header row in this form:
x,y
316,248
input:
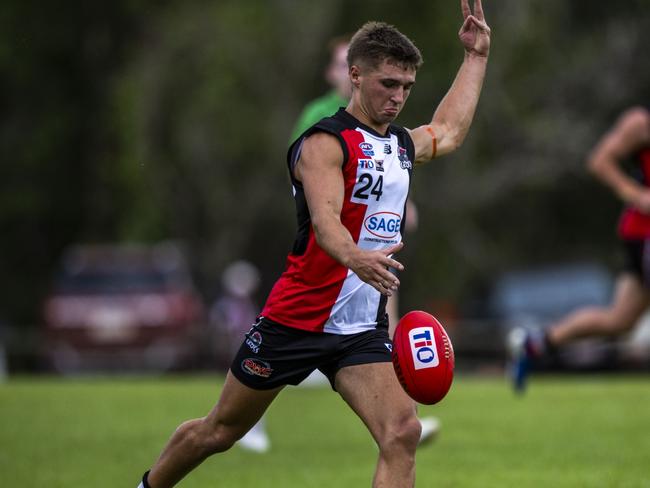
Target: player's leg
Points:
x,y
238,409
631,299
373,392
392,306
430,425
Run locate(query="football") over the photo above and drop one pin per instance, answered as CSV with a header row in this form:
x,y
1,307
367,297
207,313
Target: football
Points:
x,y
423,357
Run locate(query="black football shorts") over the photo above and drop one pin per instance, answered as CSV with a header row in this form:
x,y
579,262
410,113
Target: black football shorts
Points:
x,y
275,355
637,259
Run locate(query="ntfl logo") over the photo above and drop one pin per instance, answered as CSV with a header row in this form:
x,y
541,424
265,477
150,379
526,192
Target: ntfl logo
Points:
x,y
423,348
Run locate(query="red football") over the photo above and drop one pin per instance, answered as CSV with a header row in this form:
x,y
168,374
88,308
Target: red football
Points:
x,y
423,357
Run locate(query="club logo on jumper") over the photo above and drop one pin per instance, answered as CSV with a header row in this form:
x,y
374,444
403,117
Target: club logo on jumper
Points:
x,y
423,348
404,161
367,149
256,367
383,224
366,164
254,341
379,164
388,149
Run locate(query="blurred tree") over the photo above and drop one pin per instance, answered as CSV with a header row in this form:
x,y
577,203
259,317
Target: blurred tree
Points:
x,y
142,120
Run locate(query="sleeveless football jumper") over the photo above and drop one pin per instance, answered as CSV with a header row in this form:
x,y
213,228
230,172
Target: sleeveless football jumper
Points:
x,y
316,293
633,223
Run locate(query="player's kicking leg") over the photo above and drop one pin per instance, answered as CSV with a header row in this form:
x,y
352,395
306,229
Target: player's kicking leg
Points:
x,y
373,392
631,299
430,426
238,409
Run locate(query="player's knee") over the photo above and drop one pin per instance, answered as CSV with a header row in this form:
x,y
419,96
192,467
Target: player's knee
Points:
x,y
614,324
221,438
205,439
403,434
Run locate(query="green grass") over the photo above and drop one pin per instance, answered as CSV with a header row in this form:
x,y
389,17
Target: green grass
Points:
x,y
566,432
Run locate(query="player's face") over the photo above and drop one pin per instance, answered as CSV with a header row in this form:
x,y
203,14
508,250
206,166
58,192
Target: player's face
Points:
x,y
383,90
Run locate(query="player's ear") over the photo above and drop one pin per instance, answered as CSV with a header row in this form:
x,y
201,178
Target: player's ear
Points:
x,y
355,75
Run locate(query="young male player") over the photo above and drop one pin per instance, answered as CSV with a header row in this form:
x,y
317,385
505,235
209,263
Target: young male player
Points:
x,y
326,105
630,137
351,176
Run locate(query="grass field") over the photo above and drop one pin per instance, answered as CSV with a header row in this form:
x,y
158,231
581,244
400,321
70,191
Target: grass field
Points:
x,y
566,432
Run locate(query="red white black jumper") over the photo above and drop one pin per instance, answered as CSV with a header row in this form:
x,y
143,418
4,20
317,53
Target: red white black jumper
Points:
x,y
315,292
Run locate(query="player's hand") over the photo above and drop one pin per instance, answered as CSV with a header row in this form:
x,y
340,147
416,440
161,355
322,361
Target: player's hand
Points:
x,y
475,33
642,202
372,267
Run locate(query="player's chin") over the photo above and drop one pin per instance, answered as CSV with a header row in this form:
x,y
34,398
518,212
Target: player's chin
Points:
x,y
389,115
387,118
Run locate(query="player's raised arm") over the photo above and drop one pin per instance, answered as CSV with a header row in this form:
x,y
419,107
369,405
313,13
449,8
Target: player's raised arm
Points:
x,y
629,134
319,170
454,115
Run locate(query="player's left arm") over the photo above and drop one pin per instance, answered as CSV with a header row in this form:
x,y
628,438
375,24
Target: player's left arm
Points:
x,y
453,117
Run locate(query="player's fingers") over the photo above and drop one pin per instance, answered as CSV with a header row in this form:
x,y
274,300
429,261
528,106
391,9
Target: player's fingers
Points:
x,y
464,6
478,10
391,263
466,25
388,280
482,25
393,249
380,287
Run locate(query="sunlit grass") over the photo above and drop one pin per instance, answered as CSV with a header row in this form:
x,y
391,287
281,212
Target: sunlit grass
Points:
x,y
566,432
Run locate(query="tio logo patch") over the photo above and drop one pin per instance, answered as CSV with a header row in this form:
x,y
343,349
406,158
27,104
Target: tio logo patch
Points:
x,y
423,348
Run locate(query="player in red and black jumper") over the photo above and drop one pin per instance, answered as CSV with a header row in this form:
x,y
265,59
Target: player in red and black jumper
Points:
x,y
628,138
350,175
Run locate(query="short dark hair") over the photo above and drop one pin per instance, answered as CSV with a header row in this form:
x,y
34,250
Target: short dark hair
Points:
x,y
376,41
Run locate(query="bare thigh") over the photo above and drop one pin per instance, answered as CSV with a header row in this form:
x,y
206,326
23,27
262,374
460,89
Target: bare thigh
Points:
x,y
631,298
239,407
374,393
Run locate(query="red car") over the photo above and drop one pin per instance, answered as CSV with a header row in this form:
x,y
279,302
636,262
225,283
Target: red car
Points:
x,y
118,308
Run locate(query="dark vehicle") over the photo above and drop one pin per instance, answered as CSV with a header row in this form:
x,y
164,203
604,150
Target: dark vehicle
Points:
x,y
117,308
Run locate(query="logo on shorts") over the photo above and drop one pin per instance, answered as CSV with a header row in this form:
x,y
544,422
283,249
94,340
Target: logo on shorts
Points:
x,y
254,341
423,348
256,367
389,346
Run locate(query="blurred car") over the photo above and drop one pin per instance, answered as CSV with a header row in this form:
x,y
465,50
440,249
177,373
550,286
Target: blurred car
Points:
x,y
122,307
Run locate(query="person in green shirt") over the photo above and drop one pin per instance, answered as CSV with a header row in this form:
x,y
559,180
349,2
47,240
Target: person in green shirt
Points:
x,y
337,77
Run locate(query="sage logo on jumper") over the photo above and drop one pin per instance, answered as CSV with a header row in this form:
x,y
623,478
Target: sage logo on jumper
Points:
x,y
383,224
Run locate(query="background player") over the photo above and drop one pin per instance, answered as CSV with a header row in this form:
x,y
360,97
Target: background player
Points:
x,y
629,137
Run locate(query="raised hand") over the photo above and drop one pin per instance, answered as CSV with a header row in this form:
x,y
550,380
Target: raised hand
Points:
x,y
475,33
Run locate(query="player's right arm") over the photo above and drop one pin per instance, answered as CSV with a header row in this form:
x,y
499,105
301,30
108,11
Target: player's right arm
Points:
x,y
630,133
319,169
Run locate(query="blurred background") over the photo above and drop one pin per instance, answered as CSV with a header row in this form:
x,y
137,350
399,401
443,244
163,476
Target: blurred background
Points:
x,y
142,150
